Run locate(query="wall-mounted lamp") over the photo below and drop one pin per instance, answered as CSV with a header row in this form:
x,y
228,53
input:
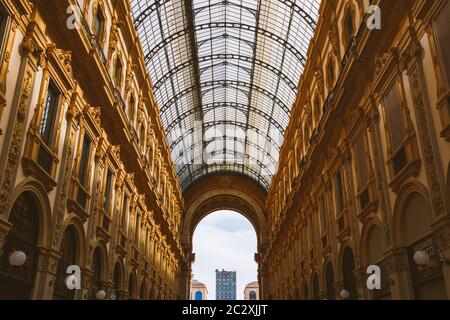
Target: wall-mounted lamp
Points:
x,y
100,295
17,258
344,294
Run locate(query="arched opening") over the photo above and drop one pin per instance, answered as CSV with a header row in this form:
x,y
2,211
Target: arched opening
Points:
x,y
17,282
348,266
374,245
97,271
143,291
131,286
252,295
117,285
427,281
316,287
68,250
305,291
329,279
226,242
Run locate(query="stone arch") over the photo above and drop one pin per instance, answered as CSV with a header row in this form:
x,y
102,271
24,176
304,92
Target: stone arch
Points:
x,y
215,192
81,243
408,192
315,284
118,279
99,267
305,293
132,285
44,209
24,235
347,266
369,248
328,279
143,294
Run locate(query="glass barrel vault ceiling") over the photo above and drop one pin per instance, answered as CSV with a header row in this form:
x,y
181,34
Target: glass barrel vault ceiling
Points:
x,y
225,75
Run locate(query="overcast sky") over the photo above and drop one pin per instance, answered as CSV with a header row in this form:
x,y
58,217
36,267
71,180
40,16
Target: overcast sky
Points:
x,y
224,240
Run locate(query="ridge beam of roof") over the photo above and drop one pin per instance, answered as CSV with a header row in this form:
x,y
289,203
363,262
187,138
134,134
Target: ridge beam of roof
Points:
x,y
193,47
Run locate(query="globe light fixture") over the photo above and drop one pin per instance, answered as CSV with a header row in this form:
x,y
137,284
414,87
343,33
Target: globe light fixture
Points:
x,y
100,295
422,258
344,294
17,258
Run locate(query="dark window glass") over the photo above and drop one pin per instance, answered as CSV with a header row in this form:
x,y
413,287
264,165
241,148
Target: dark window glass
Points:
x,y
132,108
394,116
442,29
339,193
49,114
99,24
3,28
124,212
349,27
84,161
118,72
107,195
363,172
68,251
323,214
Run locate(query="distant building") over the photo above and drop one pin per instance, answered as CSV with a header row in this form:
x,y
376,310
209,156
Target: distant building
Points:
x,y
198,291
251,291
225,285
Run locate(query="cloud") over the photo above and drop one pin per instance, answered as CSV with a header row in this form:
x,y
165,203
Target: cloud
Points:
x,y
225,240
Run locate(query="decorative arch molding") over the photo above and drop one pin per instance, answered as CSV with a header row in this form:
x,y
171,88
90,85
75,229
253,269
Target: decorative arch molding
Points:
x,y
119,264
225,192
403,196
370,222
75,222
346,244
44,211
235,192
100,245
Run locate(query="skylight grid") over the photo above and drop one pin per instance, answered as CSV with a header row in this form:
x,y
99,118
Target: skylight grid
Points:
x,y
232,64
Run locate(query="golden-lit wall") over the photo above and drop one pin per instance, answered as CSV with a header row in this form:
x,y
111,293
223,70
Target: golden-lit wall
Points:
x,y
97,168
363,177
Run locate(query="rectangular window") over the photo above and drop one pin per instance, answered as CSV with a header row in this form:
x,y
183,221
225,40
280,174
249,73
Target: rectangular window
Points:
x,y
323,214
136,231
394,116
339,192
361,161
99,24
442,31
107,194
118,72
84,160
124,213
49,114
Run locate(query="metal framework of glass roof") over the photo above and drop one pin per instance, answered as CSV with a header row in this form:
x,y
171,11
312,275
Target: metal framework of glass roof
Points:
x,y
225,75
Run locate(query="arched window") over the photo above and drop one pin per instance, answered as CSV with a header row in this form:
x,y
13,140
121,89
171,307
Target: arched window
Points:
x,y
131,286
116,278
198,295
252,295
348,267
329,275
68,258
18,282
96,283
